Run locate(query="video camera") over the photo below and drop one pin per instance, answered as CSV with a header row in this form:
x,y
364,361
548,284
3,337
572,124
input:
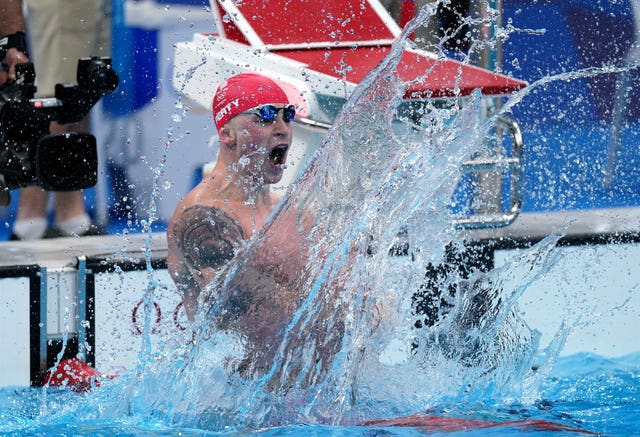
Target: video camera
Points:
x,y
29,155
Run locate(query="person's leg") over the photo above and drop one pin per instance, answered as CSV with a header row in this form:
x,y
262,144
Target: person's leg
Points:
x,y
82,34
61,32
31,220
71,215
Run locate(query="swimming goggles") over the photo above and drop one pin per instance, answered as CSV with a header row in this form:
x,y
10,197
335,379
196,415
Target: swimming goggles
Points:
x,y
268,113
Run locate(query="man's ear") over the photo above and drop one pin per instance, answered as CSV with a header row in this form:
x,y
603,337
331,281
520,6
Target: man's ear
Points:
x,y
227,136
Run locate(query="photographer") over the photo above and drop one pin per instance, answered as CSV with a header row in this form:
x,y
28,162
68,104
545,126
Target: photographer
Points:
x,y
61,32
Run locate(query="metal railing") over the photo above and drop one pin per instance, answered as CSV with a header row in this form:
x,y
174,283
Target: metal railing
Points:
x,y
513,164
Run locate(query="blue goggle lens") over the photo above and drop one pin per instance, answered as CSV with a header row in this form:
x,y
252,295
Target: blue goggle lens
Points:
x,y
268,113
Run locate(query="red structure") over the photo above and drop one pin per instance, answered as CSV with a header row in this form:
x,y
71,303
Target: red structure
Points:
x,y
323,35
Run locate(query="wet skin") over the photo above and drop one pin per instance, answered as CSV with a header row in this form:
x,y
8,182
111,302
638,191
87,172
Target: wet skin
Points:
x,y
228,206
210,227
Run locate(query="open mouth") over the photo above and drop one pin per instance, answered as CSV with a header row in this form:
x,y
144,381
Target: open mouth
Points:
x,y
279,154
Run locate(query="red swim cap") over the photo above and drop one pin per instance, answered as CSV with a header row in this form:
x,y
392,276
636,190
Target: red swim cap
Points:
x,y
242,92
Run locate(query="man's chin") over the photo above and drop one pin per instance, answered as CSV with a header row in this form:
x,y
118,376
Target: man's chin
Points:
x,y
273,179
273,176
273,173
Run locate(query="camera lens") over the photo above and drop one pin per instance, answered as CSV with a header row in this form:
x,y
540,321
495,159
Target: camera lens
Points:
x,y
97,75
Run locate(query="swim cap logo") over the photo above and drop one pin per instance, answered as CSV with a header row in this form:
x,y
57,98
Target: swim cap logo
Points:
x,y
226,110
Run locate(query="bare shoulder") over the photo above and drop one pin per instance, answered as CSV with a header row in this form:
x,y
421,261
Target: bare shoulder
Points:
x,y
199,195
204,235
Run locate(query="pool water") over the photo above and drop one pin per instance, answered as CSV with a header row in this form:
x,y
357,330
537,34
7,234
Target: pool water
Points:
x,y
585,391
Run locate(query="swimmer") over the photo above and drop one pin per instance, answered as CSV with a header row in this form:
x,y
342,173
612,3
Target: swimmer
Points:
x,y
253,117
210,225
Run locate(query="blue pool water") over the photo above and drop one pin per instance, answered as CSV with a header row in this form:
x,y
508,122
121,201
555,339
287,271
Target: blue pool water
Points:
x,y
586,391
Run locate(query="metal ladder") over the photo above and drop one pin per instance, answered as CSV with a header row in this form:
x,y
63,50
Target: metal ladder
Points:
x,y
513,164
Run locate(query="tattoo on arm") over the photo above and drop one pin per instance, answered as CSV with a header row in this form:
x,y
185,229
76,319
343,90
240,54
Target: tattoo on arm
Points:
x,y
207,237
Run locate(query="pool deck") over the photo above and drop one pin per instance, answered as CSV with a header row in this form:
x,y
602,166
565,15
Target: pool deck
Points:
x,y
63,252
578,227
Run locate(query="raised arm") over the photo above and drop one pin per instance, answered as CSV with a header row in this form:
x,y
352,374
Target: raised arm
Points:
x,y
201,240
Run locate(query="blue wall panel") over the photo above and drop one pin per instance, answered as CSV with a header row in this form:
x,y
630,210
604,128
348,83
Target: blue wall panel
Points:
x,y
567,122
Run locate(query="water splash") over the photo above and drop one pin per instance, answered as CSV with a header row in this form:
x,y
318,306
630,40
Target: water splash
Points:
x,y
312,321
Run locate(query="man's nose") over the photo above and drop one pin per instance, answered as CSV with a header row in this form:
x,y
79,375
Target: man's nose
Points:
x,y
281,127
